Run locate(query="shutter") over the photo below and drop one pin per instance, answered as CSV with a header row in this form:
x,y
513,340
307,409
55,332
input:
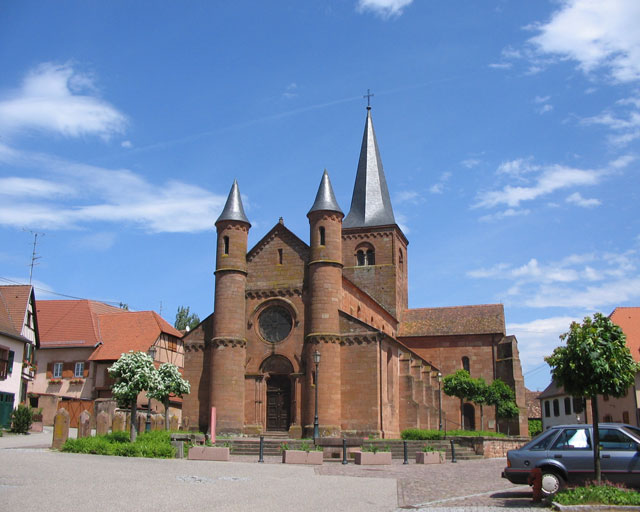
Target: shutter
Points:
x,y
85,373
49,370
67,370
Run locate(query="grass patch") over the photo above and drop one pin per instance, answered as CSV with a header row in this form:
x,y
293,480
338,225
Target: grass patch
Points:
x,y
155,444
418,434
598,494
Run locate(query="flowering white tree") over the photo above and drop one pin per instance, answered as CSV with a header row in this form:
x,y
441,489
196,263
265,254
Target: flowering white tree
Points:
x,y
169,382
134,372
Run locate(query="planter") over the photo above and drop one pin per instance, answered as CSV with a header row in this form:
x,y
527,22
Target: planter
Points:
x,y
370,458
208,453
429,457
301,457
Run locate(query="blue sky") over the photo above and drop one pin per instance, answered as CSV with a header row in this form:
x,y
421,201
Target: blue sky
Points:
x,y
509,133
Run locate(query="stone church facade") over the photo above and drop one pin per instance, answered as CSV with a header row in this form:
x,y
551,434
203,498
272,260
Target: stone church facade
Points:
x,y
344,296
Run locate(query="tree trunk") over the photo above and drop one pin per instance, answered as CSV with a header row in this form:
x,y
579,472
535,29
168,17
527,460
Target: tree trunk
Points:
x,y
166,413
481,417
134,422
596,439
462,413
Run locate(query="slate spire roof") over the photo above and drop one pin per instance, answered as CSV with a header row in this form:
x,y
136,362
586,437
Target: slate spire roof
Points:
x,y
325,198
370,204
233,209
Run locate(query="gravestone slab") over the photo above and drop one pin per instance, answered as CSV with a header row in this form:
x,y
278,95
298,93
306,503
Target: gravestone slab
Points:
x,y
160,421
119,422
141,422
60,428
173,422
102,423
84,424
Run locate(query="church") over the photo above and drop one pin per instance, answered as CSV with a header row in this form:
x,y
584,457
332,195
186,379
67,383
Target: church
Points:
x,y
321,333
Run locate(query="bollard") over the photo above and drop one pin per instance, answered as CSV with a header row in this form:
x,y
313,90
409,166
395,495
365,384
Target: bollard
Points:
x,y
453,452
261,456
344,451
406,452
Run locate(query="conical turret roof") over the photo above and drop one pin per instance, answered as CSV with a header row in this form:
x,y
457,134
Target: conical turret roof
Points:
x,y
370,204
233,209
325,198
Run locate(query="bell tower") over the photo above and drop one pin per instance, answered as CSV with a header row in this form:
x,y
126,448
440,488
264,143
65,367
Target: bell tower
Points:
x,y
228,345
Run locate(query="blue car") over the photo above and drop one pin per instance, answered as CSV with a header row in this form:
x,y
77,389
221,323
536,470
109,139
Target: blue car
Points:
x,y
564,453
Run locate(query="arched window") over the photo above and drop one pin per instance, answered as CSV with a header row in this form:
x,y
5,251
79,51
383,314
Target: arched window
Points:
x,y
400,260
465,364
567,406
556,407
322,239
226,244
365,255
547,409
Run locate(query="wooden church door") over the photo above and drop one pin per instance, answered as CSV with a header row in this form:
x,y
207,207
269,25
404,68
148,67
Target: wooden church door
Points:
x,y
278,402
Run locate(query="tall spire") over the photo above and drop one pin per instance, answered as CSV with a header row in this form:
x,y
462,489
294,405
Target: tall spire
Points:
x,y
233,209
325,198
370,204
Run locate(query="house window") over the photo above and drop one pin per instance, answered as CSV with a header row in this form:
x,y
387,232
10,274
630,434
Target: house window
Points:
x,y
322,240
4,362
465,364
371,257
567,406
12,354
57,370
78,371
226,244
547,409
556,407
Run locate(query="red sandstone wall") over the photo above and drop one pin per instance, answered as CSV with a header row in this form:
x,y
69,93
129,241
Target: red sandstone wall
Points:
x,y
360,388
361,306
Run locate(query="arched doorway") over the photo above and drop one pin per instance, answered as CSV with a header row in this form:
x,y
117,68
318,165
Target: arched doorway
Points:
x,y
278,370
469,417
278,403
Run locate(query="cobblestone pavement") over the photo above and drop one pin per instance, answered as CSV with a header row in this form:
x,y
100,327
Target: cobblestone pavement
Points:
x,y
466,486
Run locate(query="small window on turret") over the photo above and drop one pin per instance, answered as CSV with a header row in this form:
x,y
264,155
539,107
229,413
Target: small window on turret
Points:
x,y
322,235
400,260
226,244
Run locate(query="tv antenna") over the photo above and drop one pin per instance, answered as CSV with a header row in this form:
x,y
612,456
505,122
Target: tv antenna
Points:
x,y
34,256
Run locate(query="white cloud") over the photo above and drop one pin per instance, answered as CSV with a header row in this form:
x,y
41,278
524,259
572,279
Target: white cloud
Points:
x,y
32,187
545,108
51,100
384,8
577,199
408,196
438,188
596,34
623,120
127,144
470,163
538,181
509,212
589,282
78,194
290,91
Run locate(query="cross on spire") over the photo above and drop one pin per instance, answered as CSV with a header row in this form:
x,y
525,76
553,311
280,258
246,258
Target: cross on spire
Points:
x,y
368,96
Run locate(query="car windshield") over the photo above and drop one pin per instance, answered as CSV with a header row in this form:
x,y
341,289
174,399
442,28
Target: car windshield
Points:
x,y
634,431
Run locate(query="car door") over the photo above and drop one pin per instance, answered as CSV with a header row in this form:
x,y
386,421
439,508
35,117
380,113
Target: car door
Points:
x,y
619,456
572,449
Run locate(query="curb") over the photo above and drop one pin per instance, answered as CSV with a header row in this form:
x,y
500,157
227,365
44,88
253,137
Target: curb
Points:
x,y
594,508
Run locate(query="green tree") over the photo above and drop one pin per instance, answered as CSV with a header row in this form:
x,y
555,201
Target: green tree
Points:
x,y
184,320
595,361
502,396
169,382
134,373
461,385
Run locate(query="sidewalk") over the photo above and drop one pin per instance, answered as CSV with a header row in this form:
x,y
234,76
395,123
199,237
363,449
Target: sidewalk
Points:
x,y
35,478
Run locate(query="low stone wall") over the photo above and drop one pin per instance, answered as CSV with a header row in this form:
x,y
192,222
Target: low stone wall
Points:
x,y
493,447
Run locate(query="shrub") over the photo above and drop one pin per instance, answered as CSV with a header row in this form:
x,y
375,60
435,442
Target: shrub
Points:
x,y
155,444
375,448
118,437
474,433
602,494
427,449
21,419
535,427
418,434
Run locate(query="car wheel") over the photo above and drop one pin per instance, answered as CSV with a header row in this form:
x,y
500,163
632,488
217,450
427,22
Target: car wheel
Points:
x,y
551,482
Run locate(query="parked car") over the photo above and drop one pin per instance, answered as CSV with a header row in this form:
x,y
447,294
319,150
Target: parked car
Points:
x,y
564,453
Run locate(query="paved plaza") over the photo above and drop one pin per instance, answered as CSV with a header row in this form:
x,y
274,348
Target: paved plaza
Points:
x,y
34,478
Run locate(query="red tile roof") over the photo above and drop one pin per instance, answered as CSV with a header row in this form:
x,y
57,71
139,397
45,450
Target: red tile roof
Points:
x,y
129,330
629,321
14,300
459,320
70,323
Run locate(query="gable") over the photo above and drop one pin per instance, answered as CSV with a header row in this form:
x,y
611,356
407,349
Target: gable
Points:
x,y
278,261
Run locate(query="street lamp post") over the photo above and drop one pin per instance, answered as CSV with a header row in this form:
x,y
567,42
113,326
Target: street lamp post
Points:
x,y
147,426
316,359
439,401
